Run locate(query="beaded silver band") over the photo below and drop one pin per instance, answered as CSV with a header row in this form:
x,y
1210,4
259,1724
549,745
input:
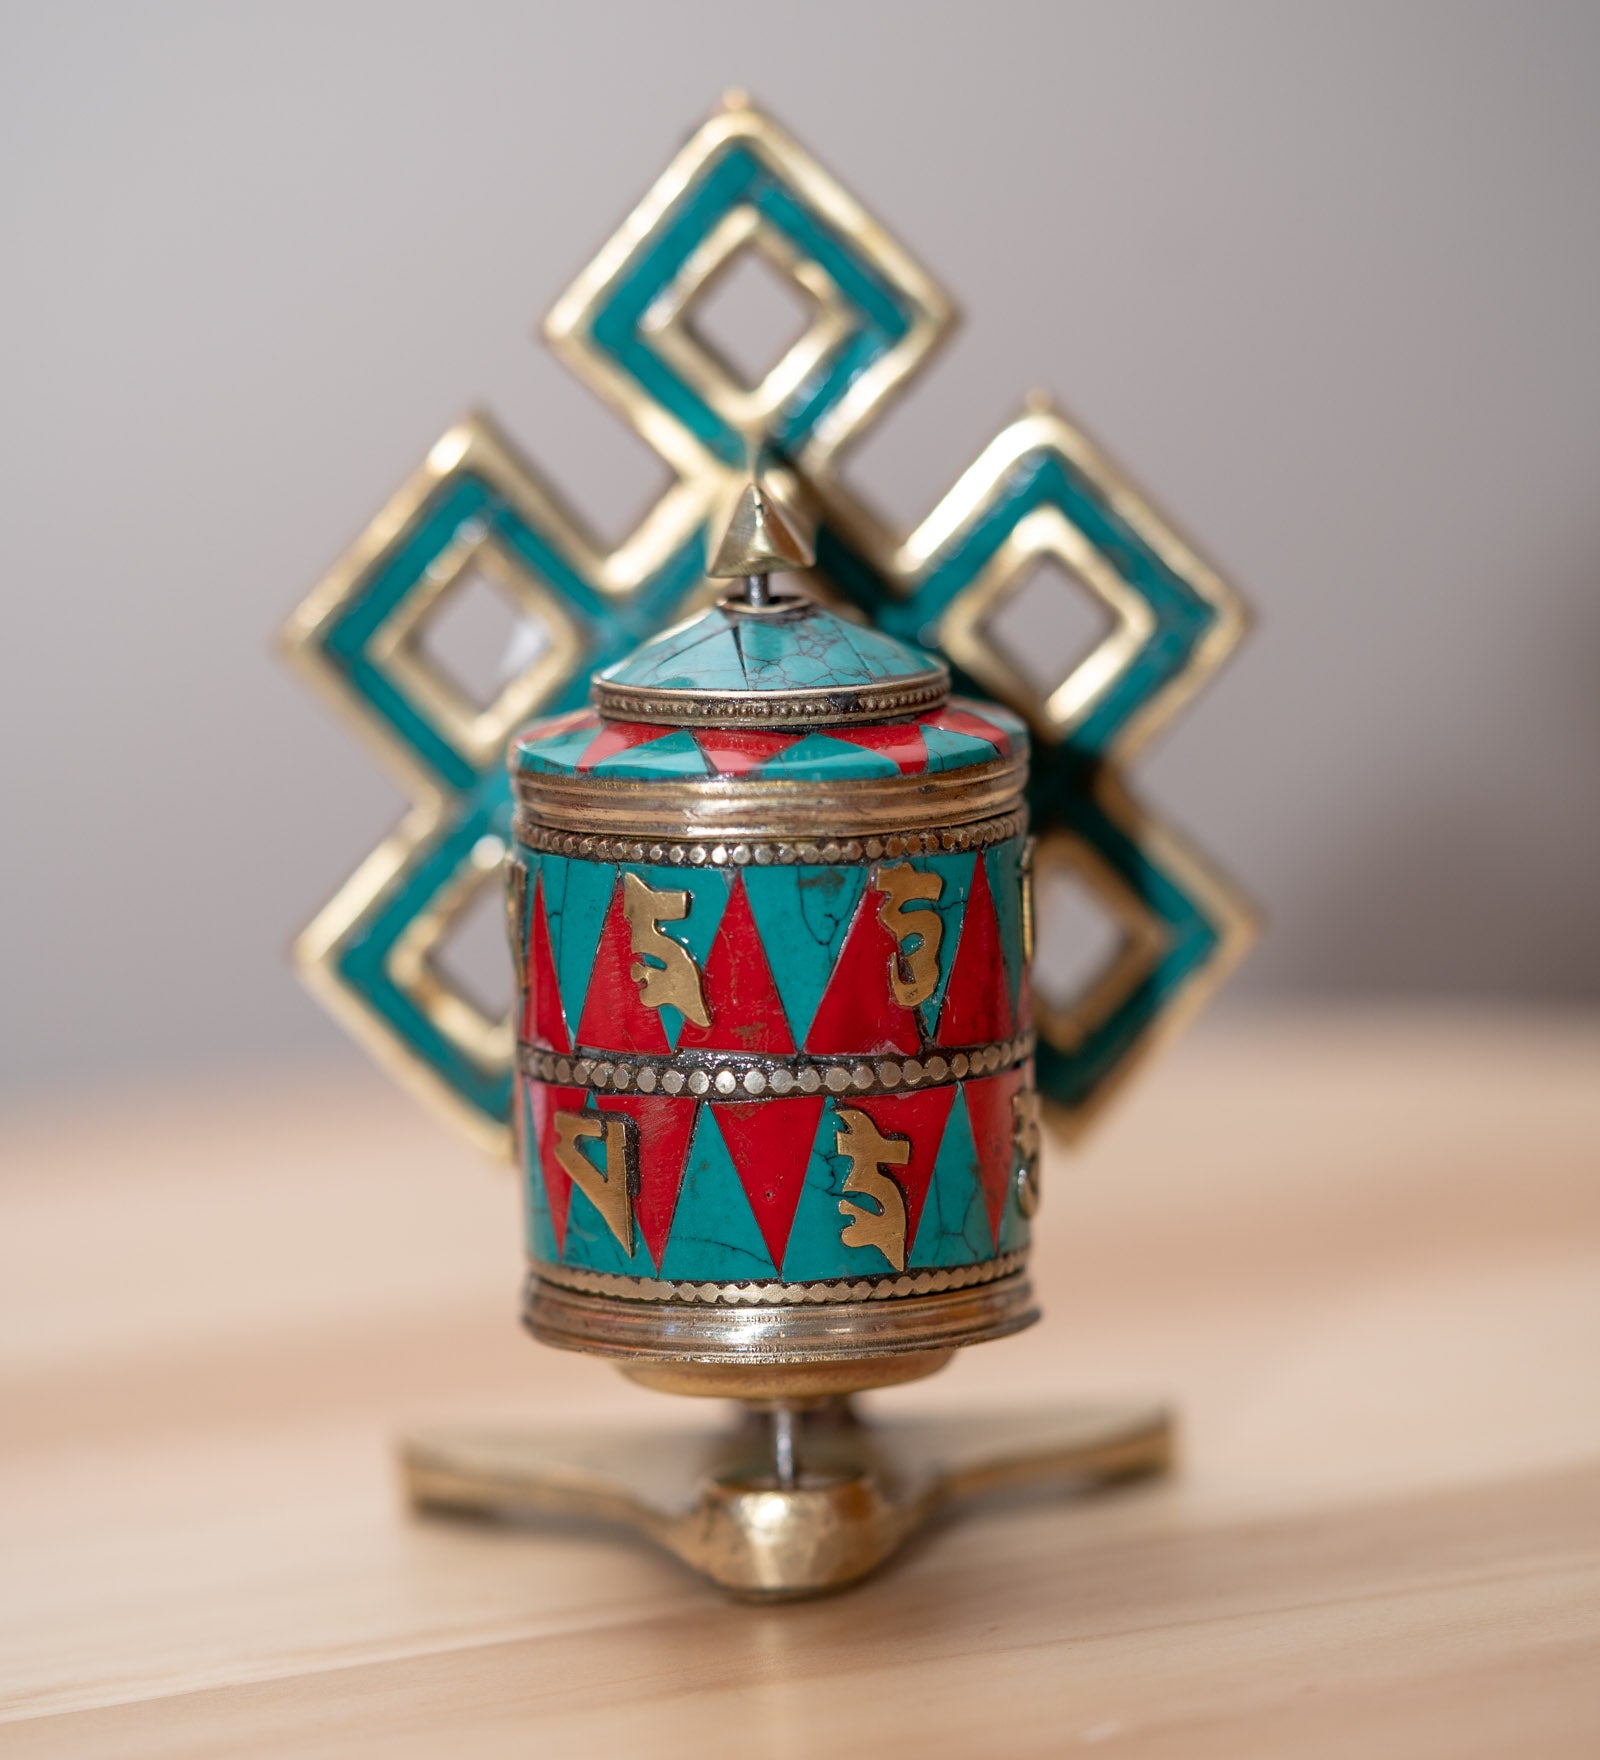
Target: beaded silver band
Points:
x,y
746,852
727,1076
797,708
772,1295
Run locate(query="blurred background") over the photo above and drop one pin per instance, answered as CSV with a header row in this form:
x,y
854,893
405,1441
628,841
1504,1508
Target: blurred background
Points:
x,y
1325,278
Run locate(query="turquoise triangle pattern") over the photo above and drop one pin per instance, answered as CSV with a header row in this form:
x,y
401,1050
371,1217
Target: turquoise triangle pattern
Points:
x,y
802,914
815,1251
708,898
956,872
675,754
1015,1233
1005,887
562,752
955,1226
948,750
715,1237
819,756
575,898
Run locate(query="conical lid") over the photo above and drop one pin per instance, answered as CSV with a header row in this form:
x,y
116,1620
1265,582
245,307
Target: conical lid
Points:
x,y
787,663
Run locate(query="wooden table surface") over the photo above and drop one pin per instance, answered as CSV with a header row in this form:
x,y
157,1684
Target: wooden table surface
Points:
x,y
1361,1251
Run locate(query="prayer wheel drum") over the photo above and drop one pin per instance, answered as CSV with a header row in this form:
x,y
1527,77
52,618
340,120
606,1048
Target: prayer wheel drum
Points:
x,y
774,1105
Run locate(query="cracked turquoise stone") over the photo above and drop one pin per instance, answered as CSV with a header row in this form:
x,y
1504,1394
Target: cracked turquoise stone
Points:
x,y
800,648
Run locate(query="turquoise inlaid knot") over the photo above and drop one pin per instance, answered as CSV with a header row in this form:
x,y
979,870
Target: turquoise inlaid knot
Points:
x,y
879,314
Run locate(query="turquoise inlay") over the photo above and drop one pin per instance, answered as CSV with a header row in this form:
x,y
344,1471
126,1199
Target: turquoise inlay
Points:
x,y
954,1229
1190,938
708,898
1043,479
541,1232
675,754
465,500
576,895
558,753
1015,1234
362,959
1004,865
956,872
590,1242
956,751
815,1253
820,758
703,655
802,914
726,651
715,1237
730,179
610,628
820,648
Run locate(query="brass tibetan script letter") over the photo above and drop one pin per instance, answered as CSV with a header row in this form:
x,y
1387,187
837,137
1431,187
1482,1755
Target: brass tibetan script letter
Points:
x,y
868,1149
676,980
914,971
611,1193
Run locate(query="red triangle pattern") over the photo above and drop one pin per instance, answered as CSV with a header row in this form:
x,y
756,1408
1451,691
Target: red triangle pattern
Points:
x,y
732,751
614,1019
994,1135
543,1023
920,1117
665,1126
741,997
770,1142
976,1007
954,720
545,1102
618,736
901,742
858,1012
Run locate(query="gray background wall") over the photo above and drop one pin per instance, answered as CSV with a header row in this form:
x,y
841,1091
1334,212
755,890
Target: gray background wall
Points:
x,y
1326,277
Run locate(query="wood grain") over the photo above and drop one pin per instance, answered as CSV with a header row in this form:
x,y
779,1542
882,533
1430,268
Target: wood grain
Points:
x,y
1362,1252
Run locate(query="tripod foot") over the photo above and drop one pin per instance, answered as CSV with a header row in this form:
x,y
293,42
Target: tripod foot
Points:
x,y
790,1501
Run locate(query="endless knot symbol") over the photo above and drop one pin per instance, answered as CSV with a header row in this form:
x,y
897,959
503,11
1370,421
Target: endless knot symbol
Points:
x,y
1038,490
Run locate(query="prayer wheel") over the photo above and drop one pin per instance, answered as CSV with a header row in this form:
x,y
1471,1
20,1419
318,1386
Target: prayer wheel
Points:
x,y
775,1109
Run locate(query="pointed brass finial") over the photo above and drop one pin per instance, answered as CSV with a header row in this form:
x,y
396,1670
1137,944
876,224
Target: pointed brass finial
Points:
x,y
762,536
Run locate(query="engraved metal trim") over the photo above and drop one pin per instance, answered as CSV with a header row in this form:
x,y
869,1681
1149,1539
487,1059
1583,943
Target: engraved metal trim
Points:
x,y
731,807
856,1289
790,1333
703,853
724,1076
839,706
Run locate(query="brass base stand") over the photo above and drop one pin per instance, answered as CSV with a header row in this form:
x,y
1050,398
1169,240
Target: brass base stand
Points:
x,y
791,1500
